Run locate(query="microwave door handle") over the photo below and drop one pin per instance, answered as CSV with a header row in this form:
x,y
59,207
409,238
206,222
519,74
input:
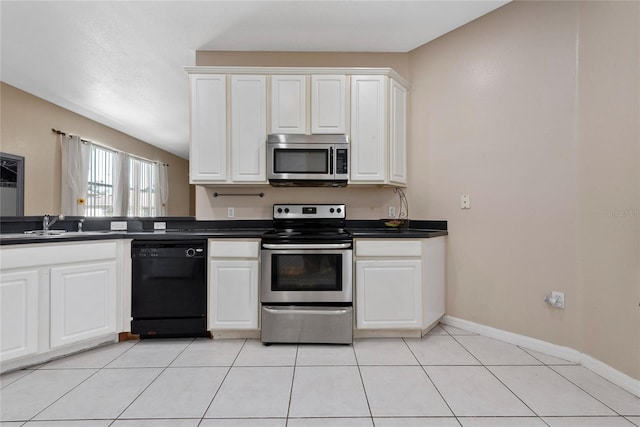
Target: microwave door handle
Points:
x,y
331,161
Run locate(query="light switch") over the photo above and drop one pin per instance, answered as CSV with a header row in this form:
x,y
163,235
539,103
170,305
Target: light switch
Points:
x,y
465,201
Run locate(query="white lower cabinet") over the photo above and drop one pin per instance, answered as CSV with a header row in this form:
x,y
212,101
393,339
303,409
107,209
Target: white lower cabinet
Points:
x,y
18,314
57,299
233,298
389,294
234,271
83,302
399,283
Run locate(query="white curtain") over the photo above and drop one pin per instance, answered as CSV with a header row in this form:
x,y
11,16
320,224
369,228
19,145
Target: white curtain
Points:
x,y
161,185
121,166
75,175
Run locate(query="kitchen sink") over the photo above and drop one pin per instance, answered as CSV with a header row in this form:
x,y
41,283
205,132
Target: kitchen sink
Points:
x,y
53,234
45,232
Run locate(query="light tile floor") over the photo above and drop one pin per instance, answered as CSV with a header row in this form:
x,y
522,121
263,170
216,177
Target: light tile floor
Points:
x,y
451,377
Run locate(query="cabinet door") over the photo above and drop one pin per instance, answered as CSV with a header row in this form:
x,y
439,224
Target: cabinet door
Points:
x,y
288,104
388,294
398,134
328,104
19,314
83,302
248,128
208,155
368,129
233,294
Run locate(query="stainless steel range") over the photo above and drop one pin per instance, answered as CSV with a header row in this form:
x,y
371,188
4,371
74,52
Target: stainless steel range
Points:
x,y
307,291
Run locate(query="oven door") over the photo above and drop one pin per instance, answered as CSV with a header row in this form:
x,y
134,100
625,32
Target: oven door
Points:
x,y
307,273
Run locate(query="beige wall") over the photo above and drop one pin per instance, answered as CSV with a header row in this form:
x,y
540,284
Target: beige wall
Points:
x,y
533,111
362,202
608,158
26,123
398,61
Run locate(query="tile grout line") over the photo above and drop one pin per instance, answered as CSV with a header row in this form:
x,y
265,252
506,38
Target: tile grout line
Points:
x,y
364,388
589,394
66,393
293,378
233,362
431,381
513,392
153,380
499,380
72,388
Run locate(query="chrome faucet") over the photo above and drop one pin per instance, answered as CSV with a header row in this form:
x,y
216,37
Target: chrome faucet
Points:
x,y
47,222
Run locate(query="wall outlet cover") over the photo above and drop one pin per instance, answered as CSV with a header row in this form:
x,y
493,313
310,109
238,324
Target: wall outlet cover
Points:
x,y
118,225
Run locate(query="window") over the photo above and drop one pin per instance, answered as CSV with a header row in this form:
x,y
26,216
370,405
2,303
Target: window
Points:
x,y
100,192
141,188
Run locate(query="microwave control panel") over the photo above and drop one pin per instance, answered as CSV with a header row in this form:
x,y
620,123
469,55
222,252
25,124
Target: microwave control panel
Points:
x,y
341,161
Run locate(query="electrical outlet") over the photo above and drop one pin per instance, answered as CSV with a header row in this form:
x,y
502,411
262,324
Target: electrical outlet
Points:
x,y
230,212
558,297
392,211
465,201
118,225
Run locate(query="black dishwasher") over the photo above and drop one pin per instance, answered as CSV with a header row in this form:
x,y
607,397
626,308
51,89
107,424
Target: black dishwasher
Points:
x,y
169,288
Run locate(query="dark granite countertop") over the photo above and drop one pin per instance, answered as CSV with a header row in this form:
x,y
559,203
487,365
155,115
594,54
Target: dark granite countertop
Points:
x,y
190,229
400,233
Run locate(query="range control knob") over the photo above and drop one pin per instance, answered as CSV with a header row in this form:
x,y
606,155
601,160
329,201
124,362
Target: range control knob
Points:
x,y
279,210
190,252
339,210
286,210
331,210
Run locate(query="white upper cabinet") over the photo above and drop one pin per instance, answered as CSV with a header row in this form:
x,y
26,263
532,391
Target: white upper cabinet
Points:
x,y
368,129
378,131
211,160
328,104
208,149
397,134
234,108
248,128
288,104
290,107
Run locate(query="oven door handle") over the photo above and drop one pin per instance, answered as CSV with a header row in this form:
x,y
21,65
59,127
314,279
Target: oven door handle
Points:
x,y
307,246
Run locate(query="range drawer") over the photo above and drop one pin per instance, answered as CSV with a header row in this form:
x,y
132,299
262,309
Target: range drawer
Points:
x,y
305,324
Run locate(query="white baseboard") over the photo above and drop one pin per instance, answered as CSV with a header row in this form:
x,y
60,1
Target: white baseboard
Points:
x,y
618,378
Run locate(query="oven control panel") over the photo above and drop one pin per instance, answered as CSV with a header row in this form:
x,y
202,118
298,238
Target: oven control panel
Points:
x,y
323,211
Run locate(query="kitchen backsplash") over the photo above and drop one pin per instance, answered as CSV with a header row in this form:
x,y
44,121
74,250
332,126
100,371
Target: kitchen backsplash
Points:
x,y
362,202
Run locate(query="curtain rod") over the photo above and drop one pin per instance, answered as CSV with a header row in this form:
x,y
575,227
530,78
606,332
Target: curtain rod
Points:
x,y
86,141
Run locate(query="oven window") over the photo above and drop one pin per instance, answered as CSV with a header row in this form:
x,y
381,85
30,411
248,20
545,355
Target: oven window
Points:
x,y
306,272
301,161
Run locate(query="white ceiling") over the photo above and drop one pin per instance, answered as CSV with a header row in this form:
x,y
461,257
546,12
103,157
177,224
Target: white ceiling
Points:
x,y
120,62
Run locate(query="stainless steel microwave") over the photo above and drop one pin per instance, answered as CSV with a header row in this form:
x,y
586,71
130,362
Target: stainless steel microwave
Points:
x,y
308,160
